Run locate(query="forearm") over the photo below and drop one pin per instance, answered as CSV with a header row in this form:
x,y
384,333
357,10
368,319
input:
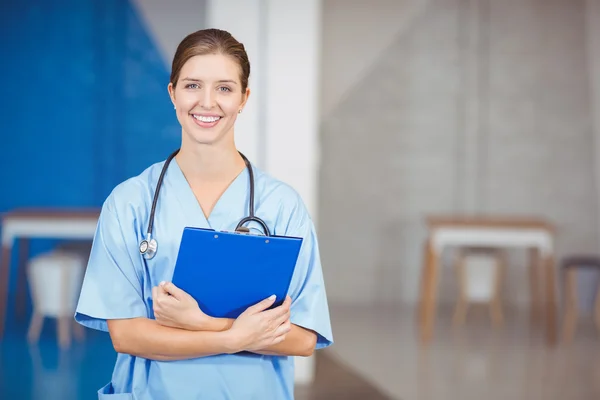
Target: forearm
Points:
x,y
146,338
299,342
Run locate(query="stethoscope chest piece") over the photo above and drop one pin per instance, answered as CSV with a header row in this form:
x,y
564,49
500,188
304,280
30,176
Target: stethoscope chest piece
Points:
x,y
148,248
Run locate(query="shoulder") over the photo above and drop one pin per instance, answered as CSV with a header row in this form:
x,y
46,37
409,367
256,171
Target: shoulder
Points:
x,y
134,195
282,200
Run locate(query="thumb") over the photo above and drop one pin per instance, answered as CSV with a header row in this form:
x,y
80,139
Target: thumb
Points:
x,y
263,305
173,290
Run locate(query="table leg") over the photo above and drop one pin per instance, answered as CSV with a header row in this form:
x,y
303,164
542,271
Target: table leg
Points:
x,y
550,280
428,293
4,278
22,277
570,316
597,310
534,285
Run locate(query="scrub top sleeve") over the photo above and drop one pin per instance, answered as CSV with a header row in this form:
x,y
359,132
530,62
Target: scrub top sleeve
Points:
x,y
309,308
111,287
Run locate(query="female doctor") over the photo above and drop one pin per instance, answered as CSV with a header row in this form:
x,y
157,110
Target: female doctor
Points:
x,y
167,347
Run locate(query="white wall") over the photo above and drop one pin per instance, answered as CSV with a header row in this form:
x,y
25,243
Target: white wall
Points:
x,y
292,91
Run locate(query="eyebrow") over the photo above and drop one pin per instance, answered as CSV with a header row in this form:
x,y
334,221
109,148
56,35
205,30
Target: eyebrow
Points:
x,y
219,81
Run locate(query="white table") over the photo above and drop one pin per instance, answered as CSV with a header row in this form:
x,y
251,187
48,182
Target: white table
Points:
x,y
536,235
26,224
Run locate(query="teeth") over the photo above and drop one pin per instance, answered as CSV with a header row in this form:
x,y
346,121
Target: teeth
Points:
x,y
206,119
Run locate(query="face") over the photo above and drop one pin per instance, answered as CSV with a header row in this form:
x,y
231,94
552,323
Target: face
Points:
x,y
208,97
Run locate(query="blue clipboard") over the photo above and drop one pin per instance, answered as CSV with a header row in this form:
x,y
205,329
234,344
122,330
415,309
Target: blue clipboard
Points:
x,y
227,272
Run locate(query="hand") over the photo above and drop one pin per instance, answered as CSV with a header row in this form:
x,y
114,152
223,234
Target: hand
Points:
x,y
256,328
175,308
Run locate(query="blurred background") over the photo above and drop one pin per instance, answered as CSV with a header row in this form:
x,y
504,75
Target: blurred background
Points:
x,y
448,150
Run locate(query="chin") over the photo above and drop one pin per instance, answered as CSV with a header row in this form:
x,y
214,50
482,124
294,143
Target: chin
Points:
x,y
205,136
209,131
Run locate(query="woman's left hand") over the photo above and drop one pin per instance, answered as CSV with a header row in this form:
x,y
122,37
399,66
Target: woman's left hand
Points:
x,y
175,308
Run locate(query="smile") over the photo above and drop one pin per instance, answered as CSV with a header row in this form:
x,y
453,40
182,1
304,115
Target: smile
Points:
x,y
206,121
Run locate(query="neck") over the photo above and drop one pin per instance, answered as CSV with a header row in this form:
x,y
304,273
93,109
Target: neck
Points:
x,y
209,163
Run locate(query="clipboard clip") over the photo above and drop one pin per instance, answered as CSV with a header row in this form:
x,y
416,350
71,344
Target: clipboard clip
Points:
x,y
244,230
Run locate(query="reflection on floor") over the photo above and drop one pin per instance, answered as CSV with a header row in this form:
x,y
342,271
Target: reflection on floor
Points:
x,y
470,362
335,380
42,372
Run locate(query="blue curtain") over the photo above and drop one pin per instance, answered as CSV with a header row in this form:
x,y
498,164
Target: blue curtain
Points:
x,y
85,103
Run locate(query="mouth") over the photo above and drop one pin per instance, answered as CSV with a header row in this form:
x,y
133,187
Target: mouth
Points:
x,y
206,121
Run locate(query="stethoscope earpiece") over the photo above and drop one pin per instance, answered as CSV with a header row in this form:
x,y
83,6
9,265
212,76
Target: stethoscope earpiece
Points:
x,y
148,246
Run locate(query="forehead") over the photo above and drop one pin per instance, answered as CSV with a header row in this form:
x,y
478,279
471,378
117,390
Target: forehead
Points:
x,y
211,67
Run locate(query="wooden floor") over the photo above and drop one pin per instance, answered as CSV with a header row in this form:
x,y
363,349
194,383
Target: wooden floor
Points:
x,y
334,380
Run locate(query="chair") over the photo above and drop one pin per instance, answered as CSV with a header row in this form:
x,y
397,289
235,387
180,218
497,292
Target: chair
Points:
x,y
55,280
479,272
569,268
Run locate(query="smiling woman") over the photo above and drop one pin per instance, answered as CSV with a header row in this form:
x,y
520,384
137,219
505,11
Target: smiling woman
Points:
x,y
209,85
168,348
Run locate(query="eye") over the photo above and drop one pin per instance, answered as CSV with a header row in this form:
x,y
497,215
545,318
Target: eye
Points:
x,y
224,89
191,86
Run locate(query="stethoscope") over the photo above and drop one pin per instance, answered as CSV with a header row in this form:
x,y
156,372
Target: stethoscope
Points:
x,y
148,246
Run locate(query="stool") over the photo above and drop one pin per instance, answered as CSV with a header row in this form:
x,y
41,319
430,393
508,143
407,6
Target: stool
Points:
x,y
479,272
569,267
55,280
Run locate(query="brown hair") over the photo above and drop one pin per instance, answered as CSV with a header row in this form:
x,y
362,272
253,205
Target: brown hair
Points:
x,y
211,41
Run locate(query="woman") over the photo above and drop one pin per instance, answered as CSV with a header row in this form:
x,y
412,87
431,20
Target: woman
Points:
x,y
167,347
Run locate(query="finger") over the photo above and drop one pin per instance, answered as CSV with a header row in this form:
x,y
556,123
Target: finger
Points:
x,y
279,338
286,305
283,329
173,290
161,288
276,312
261,306
155,302
160,296
282,319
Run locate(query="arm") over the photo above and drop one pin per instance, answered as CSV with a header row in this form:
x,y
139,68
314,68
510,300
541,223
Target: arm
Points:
x,y
175,308
298,342
146,338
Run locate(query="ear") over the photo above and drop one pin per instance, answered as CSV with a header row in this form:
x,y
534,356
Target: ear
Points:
x,y
171,90
245,98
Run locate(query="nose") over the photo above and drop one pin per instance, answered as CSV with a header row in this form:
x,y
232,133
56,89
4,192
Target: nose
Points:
x,y
207,100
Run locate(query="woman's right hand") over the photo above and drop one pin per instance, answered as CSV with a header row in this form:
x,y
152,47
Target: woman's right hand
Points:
x,y
255,329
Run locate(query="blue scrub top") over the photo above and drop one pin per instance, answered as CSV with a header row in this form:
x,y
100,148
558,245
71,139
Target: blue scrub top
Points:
x,y
118,284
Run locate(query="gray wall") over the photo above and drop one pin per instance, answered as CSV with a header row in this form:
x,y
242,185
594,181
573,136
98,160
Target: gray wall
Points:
x,y
170,22
472,106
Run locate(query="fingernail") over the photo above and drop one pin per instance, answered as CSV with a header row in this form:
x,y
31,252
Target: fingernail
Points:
x,y
162,283
272,297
